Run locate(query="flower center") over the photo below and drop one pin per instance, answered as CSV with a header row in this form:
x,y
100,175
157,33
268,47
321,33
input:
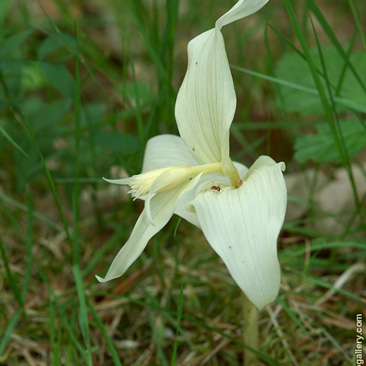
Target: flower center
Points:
x,y
163,179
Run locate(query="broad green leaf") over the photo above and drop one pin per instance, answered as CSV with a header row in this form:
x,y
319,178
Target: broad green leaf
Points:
x,y
12,43
50,44
59,77
321,146
32,77
295,70
46,117
54,43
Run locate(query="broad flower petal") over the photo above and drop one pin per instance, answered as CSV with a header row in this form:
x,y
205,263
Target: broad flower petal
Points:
x,y
242,226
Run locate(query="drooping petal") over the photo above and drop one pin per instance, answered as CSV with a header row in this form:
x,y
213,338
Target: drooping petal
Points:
x,y
241,9
164,151
242,226
162,206
206,101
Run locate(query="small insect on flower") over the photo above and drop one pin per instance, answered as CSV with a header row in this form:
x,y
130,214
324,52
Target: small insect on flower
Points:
x,y
216,188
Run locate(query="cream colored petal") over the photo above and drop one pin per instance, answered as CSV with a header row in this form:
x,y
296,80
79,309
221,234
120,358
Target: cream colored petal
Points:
x,y
164,151
241,9
206,101
242,226
242,169
263,161
122,181
162,206
182,211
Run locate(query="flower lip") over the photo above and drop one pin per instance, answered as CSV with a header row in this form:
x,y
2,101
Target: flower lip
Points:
x,y
242,226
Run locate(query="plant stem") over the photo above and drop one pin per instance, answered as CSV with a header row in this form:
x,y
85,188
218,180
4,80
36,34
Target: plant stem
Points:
x,y
250,332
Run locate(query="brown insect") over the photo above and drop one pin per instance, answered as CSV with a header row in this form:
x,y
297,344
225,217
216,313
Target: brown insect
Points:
x,y
216,188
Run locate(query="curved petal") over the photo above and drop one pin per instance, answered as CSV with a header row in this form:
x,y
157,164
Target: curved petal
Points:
x,y
242,226
262,161
162,206
241,9
164,151
182,211
206,101
242,169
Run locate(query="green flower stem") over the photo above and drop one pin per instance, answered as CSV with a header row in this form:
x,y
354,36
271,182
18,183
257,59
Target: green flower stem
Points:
x,y
250,332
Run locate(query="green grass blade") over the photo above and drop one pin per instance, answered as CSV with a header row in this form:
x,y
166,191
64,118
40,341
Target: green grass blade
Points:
x,y
329,32
179,317
169,41
150,47
137,109
337,346
52,332
12,282
358,23
101,253
329,112
83,310
77,346
299,252
344,68
155,305
104,331
9,330
76,186
157,335
343,101
327,285
29,245
293,316
338,132
37,215
10,139
49,180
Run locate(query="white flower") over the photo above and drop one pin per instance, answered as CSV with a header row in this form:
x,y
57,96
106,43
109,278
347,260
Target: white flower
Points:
x,y
240,211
